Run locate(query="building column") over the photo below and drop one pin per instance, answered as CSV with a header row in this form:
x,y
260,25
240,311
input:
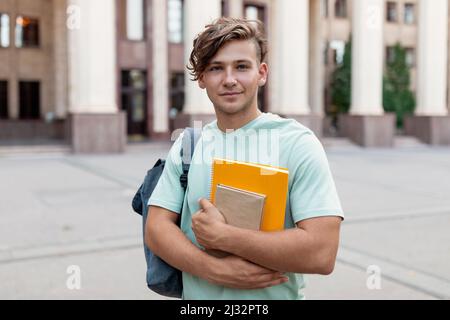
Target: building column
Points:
x,y
316,65
448,68
367,124
60,62
197,107
431,122
13,83
236,8
290,60
160,71
96,124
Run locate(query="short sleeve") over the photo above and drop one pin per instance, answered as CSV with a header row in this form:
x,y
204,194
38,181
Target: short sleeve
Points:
x,y
313,191
169,193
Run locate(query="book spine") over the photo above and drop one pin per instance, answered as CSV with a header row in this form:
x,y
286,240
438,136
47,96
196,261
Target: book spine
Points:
x,y
210,187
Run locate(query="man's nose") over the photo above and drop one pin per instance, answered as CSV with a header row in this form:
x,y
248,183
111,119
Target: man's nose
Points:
x,y
230,79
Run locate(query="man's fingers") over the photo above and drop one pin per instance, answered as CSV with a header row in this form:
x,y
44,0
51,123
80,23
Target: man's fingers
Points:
x,y
270,278
257,269
264,281
276,282
265,284
258,283
262,270
197,212
271,283
205,204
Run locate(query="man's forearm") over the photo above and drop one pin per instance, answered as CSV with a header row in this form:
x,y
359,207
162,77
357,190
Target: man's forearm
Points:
x,y
291,250
170,244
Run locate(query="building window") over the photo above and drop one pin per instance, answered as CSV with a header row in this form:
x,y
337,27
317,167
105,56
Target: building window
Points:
x,y
4,30
340,8
410,14
252,12
177,92
224,8
3,100
324,9
338,48
255,12
135,20
390,54
410,57
27,32
175,21
391,11
29,100
134,100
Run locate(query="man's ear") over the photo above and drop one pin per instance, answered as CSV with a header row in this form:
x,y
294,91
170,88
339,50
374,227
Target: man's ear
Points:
x,y
201,82
263,72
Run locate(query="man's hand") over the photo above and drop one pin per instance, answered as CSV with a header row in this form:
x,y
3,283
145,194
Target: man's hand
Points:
x,y
207,224
235,272
232,271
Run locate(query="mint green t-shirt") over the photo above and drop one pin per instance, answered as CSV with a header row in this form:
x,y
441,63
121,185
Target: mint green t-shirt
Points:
x,y
268,139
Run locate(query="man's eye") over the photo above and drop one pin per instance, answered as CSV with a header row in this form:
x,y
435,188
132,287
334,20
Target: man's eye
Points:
x,y
242,66
214,68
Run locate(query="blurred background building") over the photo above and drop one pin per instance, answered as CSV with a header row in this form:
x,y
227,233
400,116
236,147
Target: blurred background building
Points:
x,y
99,74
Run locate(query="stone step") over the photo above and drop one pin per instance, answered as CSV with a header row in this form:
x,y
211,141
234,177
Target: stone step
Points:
x,y
6,151
399,142
407,142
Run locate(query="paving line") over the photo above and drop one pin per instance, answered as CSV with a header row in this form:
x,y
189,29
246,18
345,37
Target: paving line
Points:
x,y
381,217
125,183
425,282
15,255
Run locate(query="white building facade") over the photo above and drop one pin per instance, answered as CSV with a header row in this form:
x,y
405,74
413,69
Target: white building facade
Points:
x,y
97,72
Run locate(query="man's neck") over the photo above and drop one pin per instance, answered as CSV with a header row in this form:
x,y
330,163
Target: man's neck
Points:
x,y
227,122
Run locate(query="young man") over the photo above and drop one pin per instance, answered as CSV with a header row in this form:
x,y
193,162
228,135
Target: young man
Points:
x,y
228,61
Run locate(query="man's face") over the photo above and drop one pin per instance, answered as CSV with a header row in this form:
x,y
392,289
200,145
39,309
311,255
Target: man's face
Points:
x,y
233,76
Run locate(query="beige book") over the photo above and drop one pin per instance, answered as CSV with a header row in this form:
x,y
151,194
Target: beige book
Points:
x,y
241,208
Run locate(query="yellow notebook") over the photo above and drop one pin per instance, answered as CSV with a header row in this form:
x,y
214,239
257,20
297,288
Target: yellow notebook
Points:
x,y
268,180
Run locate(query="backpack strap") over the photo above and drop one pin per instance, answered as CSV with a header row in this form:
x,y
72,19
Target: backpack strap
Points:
x,y
190,139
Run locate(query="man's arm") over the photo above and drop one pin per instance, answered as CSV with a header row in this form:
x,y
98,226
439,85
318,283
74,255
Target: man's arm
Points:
x,y
167,241
309,248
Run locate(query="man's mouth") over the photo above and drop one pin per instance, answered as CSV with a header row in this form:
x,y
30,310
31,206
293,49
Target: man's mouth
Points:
x,y
230,94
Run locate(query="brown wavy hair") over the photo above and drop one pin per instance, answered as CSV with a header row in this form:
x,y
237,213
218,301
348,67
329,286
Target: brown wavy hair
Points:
x,y
220,32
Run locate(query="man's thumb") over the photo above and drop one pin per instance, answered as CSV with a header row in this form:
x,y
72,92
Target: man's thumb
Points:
x,y
205,204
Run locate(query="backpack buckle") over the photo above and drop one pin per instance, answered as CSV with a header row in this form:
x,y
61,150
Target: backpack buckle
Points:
x,y
184,180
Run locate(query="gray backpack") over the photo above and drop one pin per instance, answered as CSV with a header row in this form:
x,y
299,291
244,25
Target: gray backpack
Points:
x,y
161,277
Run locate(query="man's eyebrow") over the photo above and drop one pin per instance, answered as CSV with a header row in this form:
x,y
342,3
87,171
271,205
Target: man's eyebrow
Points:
x,y
237,61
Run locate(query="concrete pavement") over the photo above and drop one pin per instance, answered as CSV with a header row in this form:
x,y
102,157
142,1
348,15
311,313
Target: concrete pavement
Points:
x,y
59,210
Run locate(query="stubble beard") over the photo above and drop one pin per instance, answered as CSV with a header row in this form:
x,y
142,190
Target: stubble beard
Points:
x,y
241,109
